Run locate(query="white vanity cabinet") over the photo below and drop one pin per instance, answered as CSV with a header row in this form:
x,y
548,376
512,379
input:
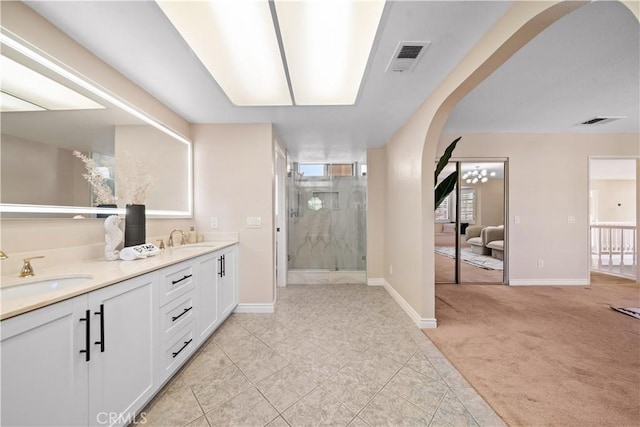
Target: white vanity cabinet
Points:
x,y
45,380
84,361
227,286
98,358
217,289
208,313
121,369
177,332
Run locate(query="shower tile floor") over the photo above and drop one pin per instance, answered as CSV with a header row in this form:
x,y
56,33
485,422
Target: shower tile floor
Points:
x,y
330,355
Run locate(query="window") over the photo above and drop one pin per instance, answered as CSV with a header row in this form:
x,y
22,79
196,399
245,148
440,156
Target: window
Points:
x,y
317,169
442,211
446,212
312,170
468,205
341,170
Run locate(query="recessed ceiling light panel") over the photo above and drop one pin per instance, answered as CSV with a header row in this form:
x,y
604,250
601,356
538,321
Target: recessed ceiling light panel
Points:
x,y
237,43
327,45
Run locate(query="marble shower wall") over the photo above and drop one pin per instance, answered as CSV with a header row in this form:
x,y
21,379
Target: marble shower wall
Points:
x,y
332,237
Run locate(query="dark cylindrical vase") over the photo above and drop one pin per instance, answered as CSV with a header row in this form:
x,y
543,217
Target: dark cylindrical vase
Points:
x,y
134,225
106,215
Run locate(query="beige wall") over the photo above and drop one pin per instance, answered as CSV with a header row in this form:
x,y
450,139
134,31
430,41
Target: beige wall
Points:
x,y
559,165
490,202
376,195
403,214
233,171
33,235
169,166
411,152
610,194
62,172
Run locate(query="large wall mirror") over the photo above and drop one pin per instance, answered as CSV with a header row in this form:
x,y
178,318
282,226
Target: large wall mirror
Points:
x,y
48,113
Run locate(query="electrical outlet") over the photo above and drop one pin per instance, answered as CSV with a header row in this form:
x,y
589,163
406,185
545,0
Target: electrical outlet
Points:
x,y
571,219
214,222
516,219
390,269
540,263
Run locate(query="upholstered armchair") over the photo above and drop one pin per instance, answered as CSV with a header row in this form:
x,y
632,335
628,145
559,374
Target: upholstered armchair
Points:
x,y
493,239
475,240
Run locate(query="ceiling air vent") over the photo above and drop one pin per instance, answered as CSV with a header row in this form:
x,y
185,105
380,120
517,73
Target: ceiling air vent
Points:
x,y
601,120
406,56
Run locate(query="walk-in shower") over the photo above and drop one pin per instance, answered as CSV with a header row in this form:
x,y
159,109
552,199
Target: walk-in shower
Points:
x,y
327,223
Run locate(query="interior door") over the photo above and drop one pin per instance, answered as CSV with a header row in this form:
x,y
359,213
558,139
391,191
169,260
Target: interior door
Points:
x,y
481,217
470,230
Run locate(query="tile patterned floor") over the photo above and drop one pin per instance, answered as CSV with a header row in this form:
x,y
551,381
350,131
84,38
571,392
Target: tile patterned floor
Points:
x,y
330,355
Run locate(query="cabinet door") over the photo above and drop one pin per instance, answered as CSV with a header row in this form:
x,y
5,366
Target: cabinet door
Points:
x,y
44,376
227,289
121,376
207,302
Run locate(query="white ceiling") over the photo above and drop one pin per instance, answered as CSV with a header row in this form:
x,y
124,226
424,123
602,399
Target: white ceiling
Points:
x,y
599,45
583,66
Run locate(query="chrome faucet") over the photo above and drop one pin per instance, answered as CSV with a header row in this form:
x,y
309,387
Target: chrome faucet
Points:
x,y
183,240
3,255
27,270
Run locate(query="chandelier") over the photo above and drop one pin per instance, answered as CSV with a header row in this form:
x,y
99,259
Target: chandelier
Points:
x,y
473,176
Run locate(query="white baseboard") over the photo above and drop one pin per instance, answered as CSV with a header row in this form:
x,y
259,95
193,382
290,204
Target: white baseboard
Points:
x,y
254,308
421,322
548,282
375,281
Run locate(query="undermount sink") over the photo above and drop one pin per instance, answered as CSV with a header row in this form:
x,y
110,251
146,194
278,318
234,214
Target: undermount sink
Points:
x,y
41,286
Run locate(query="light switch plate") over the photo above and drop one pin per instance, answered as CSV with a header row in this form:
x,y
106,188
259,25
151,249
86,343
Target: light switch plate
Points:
x,y
214,222
516,219
254,222
571,219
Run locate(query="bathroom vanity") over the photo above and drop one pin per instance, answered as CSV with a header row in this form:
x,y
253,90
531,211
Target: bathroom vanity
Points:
x,y
96,352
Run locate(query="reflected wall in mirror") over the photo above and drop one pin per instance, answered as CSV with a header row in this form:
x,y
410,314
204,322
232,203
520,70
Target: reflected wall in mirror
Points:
x,y
46,117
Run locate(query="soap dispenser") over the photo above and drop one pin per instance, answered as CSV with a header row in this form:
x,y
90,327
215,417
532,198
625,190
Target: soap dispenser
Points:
x,y
191,236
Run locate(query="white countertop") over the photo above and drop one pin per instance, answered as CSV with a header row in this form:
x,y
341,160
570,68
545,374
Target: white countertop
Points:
x,y
104,273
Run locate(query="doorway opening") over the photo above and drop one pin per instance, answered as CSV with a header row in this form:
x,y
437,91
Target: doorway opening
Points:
x,y
327,223
470,230
613,237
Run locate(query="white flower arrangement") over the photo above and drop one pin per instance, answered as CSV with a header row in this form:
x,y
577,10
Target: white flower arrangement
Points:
x,y
98,182
134,179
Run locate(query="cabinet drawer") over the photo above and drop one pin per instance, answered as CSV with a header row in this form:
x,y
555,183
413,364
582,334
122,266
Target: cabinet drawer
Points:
x,y
177,350
176,314
178,280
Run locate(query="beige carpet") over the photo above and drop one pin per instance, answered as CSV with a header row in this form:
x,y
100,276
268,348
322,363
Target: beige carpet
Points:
x,y
445,272
546,356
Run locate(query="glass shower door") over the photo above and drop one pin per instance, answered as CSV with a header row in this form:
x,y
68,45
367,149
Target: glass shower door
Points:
x,y
327,218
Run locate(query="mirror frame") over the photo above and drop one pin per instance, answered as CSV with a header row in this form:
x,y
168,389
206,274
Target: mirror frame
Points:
x,y
115,101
